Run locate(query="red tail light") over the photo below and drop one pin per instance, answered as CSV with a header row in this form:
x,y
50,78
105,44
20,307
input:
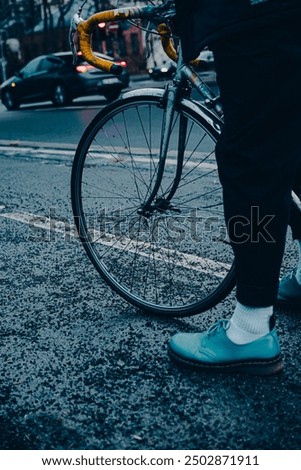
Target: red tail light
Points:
x,y
84,68
122,63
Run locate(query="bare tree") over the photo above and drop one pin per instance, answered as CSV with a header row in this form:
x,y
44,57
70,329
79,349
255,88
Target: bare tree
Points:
x,y
48,20
63,10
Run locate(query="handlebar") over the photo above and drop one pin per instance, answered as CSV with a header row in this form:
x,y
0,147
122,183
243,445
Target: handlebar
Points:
x,y
81,31
85,29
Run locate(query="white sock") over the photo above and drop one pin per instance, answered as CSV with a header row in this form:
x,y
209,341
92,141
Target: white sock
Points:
x,y
249,323
298,272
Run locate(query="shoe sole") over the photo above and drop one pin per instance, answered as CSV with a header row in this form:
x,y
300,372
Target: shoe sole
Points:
x,y
254,367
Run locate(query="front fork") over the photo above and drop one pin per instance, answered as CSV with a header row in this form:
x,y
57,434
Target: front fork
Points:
x,y
161,204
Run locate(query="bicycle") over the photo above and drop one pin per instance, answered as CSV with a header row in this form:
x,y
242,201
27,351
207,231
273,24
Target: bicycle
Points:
x,y
148,205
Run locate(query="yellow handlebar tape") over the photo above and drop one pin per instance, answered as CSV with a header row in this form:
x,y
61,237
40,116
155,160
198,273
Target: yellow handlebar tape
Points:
x,y
166,41
85,29
168,46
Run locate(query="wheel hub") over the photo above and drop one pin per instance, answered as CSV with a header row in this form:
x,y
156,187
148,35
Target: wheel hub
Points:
x,y
160,204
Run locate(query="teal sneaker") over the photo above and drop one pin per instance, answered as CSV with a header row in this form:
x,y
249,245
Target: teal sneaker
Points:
x,y
213,351
289,291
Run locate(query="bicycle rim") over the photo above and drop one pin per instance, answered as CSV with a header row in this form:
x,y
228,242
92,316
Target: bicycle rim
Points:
x,y
175,261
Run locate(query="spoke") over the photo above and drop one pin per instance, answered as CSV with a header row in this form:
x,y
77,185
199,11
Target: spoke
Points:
x,y
101,197
200,196
107,179
108,191
120,238
155,273
133,163
198,165
172,129
197,178
148,144
119,160
194,150
169,263
110,197
134,264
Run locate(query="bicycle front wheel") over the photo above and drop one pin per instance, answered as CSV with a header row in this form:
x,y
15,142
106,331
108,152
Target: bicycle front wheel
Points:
x,y
174,260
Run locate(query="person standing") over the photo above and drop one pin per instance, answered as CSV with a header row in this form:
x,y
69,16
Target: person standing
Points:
x,y
257,51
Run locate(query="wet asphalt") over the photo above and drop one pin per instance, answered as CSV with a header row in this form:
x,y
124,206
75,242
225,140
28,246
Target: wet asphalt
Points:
x,y
82,369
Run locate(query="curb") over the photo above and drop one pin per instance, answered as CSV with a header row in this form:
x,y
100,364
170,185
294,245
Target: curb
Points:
x,y
31,145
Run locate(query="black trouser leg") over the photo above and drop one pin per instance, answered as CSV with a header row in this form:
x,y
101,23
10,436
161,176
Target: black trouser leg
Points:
x,y
259,150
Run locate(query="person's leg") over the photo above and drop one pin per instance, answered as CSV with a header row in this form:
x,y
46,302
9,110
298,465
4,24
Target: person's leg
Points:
x,y
258,154
257,163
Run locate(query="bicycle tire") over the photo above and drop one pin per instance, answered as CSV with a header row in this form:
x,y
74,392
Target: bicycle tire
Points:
x,y
113,173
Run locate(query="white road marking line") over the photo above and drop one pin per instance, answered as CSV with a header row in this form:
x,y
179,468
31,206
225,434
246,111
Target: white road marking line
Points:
x,y
150,250
42,222
120,155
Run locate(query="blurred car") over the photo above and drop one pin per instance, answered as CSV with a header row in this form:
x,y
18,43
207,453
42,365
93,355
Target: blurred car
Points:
x,y
54,77
162,72
166,71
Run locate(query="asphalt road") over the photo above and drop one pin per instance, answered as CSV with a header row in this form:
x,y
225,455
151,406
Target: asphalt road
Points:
x,y
43,122
82,369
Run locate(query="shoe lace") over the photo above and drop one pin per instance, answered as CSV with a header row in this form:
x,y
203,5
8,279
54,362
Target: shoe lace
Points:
x,y
222,324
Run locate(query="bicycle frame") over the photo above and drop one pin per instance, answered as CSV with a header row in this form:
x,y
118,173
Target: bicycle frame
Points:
x,y
184,77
